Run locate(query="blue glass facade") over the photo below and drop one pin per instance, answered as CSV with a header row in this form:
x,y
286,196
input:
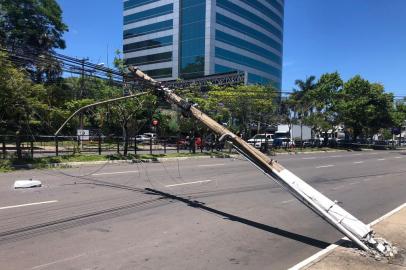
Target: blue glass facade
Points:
x,y
192,35
172,39
148,29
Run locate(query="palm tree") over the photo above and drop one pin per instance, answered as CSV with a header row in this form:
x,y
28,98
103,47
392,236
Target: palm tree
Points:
x,y
301,101
303,95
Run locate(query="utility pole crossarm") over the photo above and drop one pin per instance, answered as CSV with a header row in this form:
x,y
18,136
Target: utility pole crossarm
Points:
x,y
329,210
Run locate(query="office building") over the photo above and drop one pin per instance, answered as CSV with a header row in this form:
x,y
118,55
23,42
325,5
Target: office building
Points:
x,y
172,39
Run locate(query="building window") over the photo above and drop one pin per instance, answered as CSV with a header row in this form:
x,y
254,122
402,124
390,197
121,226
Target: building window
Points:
x,y
137,3
192,38
246,30
246,61
276,5
265,10
148,29
241,12
150,13
245,45
160,73
150,59
148,44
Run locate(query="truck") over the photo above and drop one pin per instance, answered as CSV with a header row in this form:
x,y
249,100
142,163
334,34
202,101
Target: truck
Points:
x,y
294,132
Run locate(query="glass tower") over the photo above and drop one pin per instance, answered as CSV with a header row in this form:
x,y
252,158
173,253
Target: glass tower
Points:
x,y
172,39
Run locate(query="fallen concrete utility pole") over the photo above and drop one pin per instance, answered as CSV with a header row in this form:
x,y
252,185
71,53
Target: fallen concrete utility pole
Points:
x,y
329,210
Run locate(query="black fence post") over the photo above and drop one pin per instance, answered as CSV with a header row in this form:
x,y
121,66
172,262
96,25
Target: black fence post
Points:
x,y
164,146
56,146
135,145
118,145
4,148
177,143
100,147
150,146
32,148
266,145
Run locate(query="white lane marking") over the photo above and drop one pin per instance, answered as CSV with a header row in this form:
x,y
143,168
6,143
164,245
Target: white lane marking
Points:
x,y
335,156
331,247
309,158
314,257
189,183
212,165
358,162
381,159
109,173
398,157
27,204
324,166
58,261
288,201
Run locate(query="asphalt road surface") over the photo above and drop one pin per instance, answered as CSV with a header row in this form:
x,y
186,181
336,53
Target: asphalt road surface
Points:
x,y
187,214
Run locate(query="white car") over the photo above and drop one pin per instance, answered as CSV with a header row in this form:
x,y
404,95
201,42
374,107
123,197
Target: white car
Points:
x,y
142,138
259,140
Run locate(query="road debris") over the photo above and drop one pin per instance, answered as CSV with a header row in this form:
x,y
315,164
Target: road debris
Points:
x,y
30,183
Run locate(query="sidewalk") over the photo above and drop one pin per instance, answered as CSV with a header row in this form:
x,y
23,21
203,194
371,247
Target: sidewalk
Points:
x,y
392,228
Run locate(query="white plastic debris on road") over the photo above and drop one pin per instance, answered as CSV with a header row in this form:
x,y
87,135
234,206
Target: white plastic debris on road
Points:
x,y
27,183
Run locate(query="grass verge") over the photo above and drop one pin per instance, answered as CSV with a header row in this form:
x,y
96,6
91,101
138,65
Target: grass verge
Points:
x,y
7,165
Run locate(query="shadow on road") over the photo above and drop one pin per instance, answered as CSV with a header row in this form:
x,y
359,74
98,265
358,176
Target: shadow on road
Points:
x,y
196,204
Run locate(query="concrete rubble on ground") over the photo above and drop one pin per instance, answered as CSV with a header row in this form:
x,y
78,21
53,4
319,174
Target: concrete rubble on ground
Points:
x,y
30,183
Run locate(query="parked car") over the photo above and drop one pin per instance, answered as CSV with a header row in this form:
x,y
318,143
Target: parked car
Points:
x,y
283,142
259,140
151,135
142,139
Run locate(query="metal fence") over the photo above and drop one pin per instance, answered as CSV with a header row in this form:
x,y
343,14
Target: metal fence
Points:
x,y
42,146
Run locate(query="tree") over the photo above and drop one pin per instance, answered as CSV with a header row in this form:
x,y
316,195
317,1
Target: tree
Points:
x,y
35,28
364,107
33,25
245,104
302,97
324,97
19,99
136,111
399,116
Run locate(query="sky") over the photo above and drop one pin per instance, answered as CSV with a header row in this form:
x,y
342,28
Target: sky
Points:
x,y
365,37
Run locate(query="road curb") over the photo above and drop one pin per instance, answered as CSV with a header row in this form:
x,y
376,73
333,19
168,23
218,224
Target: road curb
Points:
x,y
323,253
121,161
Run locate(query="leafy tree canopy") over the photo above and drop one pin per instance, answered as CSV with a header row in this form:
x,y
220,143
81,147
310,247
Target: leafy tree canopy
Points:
x,y
364,107
33,25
